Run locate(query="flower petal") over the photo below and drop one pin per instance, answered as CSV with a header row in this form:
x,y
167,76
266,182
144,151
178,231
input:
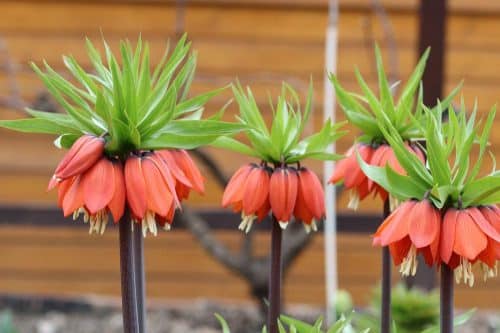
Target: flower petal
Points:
x,y
313,193
256,190
469,239
395,227
448,234
87,155
399,250
483,223
424,224
73,198
117,203
98,185
159,196
176,171
190,169
235,187
135,187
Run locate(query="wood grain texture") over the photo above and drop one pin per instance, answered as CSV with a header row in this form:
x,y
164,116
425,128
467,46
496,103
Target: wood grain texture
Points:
x,y
65,260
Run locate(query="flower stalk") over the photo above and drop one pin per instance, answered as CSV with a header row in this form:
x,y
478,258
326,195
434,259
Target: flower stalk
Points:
x,y
385,321
446,299
275,277
140,277
127,271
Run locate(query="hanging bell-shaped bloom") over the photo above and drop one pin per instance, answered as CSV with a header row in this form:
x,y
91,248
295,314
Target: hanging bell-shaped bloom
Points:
x,y
310,203
84,153
248,193
350,172
95,194
413,228
384,155
471,235
191,172
151,193
283,194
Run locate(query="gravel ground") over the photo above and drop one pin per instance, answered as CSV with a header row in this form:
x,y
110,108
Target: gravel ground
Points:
x,y
195,317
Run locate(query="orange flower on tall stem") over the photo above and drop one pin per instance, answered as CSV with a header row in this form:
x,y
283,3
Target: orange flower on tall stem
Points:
x,y
84,153
349,171
470,236
95,193
248,193
283,194
413,228
151,192
310,203
356,181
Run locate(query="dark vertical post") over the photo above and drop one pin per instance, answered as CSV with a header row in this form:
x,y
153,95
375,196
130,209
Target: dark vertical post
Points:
x,y
140,277
385,315
275,277
129,296
432,33
447,284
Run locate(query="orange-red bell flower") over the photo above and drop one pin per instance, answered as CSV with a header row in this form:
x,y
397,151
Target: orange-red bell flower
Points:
x,y
310,203
413,228
151,193
248,192
350,172
283,194
84,153
355,180
190,171
384,155
95,193
471,235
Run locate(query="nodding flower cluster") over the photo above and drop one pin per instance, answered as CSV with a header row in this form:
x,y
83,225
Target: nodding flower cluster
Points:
x,y
151,183
458,238
356,181
285,191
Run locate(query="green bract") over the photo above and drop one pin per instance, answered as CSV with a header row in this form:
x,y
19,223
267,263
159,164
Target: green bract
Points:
x,y
281,143
133,107
361,110
449,178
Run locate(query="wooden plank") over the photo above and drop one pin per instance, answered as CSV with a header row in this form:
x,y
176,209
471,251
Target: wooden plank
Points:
x,y
42,260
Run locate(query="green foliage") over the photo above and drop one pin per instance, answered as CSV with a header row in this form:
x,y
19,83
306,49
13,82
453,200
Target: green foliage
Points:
x,y
413,311
127,103
291,325
404,114
6,324
282,142
448,178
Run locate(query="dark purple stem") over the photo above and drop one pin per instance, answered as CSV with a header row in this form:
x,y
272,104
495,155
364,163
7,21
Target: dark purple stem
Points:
x,y
140,278
129,295
446,299
275,277
385,319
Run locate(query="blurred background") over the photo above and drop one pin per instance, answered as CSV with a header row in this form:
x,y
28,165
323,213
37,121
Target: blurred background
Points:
x,y
261,42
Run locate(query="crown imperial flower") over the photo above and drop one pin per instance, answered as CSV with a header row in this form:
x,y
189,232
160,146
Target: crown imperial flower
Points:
x,y
276,185
125,114
95,193
84,153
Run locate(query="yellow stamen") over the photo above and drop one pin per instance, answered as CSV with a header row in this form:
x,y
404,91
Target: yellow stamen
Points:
x,y
410,263
283,224
489,272
98,221
246,222
464,272
353,200
312,226
149,224
393,203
